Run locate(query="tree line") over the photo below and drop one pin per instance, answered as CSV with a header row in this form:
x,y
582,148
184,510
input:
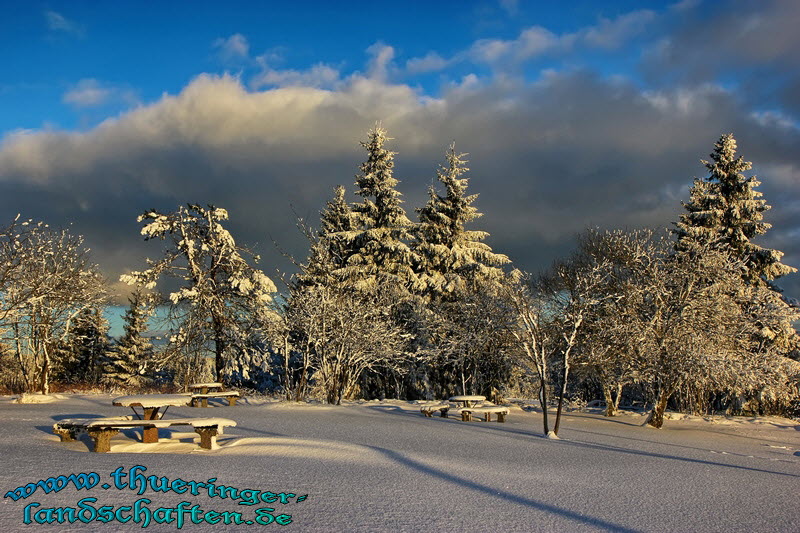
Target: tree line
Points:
x,y
386,307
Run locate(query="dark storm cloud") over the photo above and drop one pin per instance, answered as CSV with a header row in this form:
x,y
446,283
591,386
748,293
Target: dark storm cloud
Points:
x,y
548,158
750,44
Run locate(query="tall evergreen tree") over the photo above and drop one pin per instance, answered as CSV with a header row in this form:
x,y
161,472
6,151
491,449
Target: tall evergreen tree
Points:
x,y
378,251
329,250
129,363
724,212
726,209
452,257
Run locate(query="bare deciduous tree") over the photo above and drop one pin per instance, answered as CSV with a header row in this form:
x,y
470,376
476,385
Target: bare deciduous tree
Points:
x,y
47,281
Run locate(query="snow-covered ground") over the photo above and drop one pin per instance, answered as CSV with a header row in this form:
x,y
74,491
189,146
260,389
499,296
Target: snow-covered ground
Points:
x,y
382,466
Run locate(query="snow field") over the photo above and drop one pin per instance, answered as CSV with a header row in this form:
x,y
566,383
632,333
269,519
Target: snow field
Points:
x,y
382,466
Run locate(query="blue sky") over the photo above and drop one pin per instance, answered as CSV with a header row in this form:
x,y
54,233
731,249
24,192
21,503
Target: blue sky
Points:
x,y
574,114
133,52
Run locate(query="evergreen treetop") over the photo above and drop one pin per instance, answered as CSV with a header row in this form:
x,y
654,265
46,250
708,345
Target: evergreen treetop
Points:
x,y
329,250
377,249
726,209
452,256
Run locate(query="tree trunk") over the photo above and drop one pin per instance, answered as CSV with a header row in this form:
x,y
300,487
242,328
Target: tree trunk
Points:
x,y
219,349
612,401
561,395
543,402
656,418
26,377
46,372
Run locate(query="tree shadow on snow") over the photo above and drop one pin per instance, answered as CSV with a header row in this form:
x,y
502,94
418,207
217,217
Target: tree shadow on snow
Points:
x,y
497,428
619,449
493,492
396,410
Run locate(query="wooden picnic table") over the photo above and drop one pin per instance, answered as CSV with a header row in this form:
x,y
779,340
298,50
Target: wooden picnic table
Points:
x,y
205,388
466,400
151,405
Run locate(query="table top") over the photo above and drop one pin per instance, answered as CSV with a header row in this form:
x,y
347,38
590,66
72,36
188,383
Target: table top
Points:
x,y
205,385
467,398
152,400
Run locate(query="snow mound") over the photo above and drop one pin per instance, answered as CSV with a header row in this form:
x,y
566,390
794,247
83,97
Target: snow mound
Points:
x,y
39,398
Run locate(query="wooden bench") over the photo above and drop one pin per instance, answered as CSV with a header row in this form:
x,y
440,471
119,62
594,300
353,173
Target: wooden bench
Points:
x,y
69,429
202,399
429,409
487,411
100,430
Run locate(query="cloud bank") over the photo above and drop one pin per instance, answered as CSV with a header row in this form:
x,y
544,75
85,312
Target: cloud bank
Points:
x,y
550,154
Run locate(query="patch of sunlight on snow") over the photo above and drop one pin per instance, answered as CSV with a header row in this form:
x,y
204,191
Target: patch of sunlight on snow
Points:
x,y
39,398
322,450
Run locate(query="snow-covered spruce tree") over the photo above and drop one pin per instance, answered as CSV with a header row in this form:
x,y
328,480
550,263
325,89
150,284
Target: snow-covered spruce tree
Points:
x,y
296,339
222,300
726,209
377,246
380,260
129,363
460,276
83,351
329,249
452,257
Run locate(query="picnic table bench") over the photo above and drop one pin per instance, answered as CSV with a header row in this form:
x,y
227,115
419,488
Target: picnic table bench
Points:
x,y
429,408
100,430
201,392
466,406
486,410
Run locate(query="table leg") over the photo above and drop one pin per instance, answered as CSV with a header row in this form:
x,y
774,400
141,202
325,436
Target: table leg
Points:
x,y
150,435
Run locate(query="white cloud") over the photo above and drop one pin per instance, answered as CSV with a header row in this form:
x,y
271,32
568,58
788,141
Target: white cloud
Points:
x,y
695,102
234,48
381,56
775,118
318,76
611,34
431,62
511,7
90,93
58,22
87,94
538,41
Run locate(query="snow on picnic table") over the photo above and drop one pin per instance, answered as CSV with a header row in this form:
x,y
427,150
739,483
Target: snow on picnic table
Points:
x,y
153,400
382,466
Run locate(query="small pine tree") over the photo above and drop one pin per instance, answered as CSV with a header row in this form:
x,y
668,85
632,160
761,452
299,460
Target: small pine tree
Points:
x,y
452,257
726,209
129,363
378,252
84,348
